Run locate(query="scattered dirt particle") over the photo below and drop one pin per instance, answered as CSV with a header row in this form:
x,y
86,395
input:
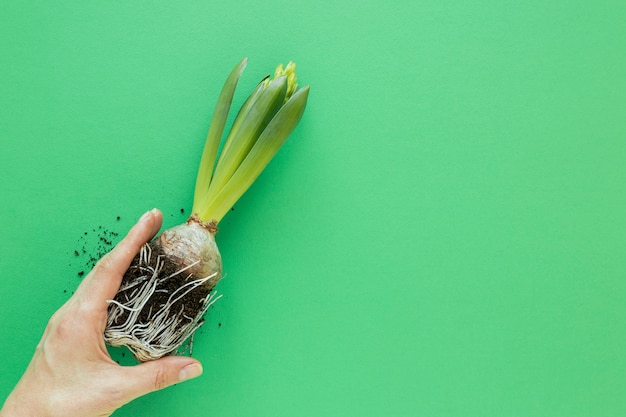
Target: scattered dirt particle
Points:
x,y
94,246
118,218
182,210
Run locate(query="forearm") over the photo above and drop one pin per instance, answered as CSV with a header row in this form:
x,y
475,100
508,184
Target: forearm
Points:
x,y
14,408
18,404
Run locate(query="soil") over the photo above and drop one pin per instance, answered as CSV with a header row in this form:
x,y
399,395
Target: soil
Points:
x,y
191,303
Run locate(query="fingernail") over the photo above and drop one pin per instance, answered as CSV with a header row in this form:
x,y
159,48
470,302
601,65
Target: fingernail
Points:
x,y
145,216
190,371
154,211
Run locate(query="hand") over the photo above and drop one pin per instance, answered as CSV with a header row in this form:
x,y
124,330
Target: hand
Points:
x,y
71,373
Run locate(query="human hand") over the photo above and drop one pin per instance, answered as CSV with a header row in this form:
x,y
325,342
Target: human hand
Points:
x,y
71,372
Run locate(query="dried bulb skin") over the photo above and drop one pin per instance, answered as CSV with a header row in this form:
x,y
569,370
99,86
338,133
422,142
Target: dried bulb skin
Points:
x,y
165,292
189,243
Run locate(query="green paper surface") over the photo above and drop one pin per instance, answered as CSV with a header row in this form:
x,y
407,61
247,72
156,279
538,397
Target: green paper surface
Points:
x,y
444,233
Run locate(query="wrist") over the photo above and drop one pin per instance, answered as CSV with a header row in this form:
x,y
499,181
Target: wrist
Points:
x,y
16,407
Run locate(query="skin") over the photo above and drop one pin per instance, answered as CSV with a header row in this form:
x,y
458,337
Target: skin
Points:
x,y
71,372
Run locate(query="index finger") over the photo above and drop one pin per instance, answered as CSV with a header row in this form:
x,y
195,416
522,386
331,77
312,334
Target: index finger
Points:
x,y
104,280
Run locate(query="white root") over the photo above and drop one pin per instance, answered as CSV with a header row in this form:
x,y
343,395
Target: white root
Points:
x,y
166,331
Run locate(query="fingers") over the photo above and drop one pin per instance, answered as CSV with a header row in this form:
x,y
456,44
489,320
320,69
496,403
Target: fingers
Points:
x,y
156,375
104,280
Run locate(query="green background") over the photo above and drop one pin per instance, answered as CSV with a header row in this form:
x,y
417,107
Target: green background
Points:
x,y
443,235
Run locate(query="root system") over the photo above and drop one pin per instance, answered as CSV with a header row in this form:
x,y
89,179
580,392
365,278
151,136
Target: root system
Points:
x,y
159,305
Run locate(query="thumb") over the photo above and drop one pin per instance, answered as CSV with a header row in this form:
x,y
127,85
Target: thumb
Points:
x,y
158,374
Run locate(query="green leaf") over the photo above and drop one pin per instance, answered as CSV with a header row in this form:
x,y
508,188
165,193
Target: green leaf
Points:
x,y
214,136
243,111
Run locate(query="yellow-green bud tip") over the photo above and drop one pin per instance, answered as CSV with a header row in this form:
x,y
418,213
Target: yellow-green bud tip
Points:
x,y
292,79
